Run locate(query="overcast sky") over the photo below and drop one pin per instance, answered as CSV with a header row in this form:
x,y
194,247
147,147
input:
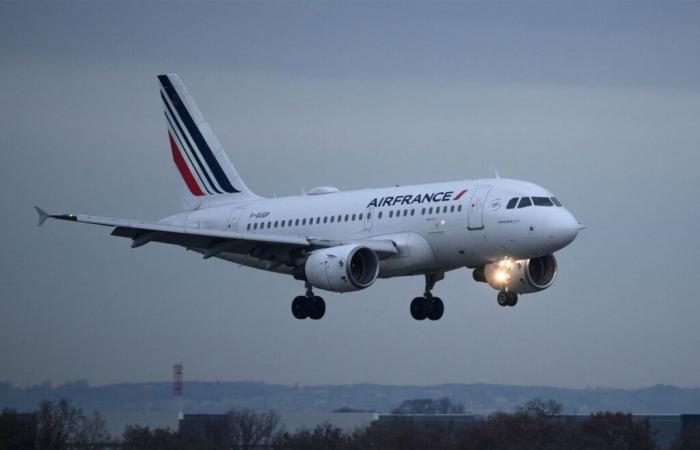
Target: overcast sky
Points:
x,y
598,102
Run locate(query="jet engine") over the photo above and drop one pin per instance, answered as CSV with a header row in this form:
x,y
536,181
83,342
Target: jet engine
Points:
x,y
342,269
521,277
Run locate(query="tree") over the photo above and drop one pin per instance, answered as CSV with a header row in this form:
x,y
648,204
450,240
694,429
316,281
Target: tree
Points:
x,y
60,426
404,436
615,431
246,430
143,438
324,437
519,431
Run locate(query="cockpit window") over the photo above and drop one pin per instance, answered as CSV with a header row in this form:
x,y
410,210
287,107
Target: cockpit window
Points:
x,y
541,201
556,202
512,202
524,202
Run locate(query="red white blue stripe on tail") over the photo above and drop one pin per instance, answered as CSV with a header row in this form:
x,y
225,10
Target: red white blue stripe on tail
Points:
x,y
191,142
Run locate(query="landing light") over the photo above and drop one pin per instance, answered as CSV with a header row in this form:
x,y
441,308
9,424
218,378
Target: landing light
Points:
x,y
501,276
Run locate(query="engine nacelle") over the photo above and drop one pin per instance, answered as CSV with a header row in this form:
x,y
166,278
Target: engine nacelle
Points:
x,y
521,277
342,269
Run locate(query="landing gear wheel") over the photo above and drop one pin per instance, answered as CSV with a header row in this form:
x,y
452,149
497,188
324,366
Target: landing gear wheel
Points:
x,y
437,308
513,299
503,298
317,308
419,310
300,309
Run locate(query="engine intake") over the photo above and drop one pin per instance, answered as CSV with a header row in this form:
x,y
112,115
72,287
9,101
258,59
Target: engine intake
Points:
x,y
522,276
344,268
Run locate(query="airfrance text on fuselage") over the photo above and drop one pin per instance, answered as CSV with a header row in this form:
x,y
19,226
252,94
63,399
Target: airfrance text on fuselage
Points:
x,y
410,199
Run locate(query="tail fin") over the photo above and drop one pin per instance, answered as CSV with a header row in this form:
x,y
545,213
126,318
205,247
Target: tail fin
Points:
x,y
198,155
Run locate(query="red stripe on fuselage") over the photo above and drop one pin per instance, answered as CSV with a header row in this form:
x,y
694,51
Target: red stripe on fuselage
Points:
x,y
184,170
460,194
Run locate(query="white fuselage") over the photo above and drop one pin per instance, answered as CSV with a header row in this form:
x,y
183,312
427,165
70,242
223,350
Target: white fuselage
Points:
x,y
436,227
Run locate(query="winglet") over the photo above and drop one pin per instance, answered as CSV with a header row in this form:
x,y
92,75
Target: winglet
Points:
x,y
43,215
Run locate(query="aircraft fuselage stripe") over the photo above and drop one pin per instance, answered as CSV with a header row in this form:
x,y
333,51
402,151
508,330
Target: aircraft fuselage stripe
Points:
x,y
184,170
184,150
189,145
199,140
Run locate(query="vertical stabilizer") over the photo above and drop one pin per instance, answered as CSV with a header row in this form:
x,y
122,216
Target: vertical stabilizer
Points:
x,y
199,157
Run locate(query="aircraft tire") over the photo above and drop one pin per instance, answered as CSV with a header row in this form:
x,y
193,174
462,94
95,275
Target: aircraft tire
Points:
x,y
300,309
317,308
419,310
503,298
513,300
437,310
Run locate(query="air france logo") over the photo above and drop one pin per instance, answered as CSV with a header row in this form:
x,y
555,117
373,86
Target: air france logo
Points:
x,y
410,199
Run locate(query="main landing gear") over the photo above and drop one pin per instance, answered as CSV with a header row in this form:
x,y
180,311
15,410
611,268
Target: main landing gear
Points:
x,y
507,298
428,307
309,305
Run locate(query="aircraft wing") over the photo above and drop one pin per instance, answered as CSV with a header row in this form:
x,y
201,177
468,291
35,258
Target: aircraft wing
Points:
x,y
207,241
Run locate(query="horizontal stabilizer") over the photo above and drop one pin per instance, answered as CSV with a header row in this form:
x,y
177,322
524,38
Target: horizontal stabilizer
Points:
x,y
43,215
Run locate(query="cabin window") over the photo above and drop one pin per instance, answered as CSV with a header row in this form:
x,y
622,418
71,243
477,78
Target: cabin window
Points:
x,y
318,220
555,201
248,227
405,212
255,226
430,210
369,215
303,222
525,202
452,208
459,208
325,219
269,224
542,201
276,223
332,219
413,212
353,217
391,213
289,223
422,212
340,218
380,214
359,217
296,223
512,202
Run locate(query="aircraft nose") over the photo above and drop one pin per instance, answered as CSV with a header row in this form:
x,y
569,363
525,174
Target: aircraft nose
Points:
x,y
563,228
567,228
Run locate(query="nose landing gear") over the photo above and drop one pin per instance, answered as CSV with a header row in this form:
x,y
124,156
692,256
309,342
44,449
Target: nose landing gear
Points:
x,y
428,307
308,306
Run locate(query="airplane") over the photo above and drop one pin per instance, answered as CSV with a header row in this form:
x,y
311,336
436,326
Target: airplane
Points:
x,y
504,230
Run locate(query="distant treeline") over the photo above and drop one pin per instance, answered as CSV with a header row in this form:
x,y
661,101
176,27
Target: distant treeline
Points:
x,y
535,425
218,397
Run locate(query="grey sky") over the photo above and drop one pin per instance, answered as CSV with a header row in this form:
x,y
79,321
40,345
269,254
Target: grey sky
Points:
x,y
598,102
